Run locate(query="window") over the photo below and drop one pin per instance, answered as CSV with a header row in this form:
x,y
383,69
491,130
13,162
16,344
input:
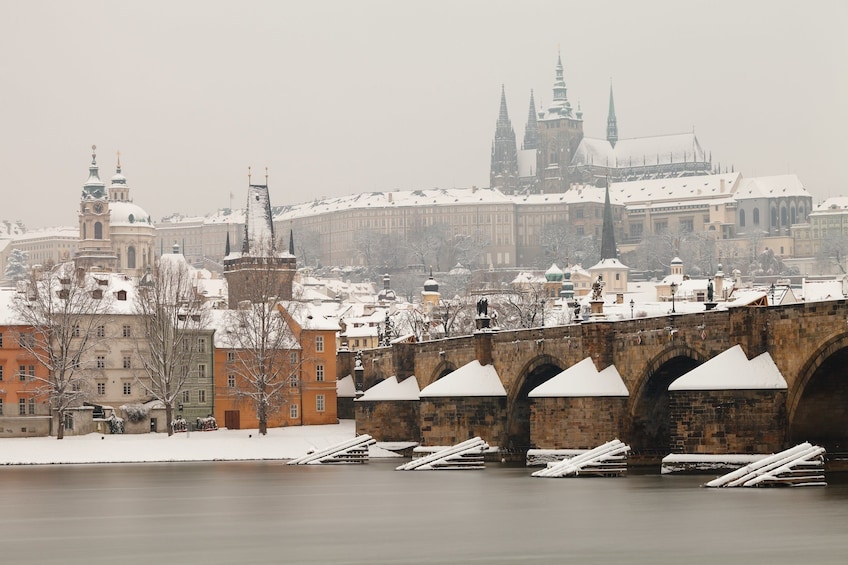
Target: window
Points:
x,y
100,361
31,407
101,389
101,331
1,406
31,372
319,403
75,331
293,357
126,331
319,373
26,340
201,372
127,362
231,356
201,396
231,381
186,396
293,411
1,372
22,407
1,340
756,215
741,218
293,381
22,372
127,389
319,343
201,345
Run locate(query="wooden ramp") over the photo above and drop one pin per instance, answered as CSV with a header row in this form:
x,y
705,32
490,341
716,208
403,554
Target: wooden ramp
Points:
x,y
465,455
607,460
799,466
351,451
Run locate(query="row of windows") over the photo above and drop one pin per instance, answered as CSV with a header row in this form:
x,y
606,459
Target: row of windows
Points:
x,y
24,406
25,372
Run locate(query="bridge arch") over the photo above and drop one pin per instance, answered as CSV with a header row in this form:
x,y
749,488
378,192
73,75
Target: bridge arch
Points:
x,y
445,367
533,373
817,401
649,413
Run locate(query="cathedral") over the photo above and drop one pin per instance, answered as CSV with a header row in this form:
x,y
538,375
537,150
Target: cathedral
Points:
x,y
555,154
115,235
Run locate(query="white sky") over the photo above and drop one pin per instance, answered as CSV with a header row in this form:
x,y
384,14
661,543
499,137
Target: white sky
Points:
x,y
339,97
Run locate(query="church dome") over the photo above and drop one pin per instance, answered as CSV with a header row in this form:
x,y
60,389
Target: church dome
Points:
x,y
128,214
553,274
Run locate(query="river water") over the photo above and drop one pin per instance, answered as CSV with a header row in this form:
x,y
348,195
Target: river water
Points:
x,y
267,512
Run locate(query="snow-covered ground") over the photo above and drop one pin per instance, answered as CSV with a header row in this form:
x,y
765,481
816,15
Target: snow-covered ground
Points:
x,y
220,445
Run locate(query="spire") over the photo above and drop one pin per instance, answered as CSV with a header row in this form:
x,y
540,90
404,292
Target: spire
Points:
x,y
227,246
291,242
612,123
94,187
608,250
503,173
560,104
531,132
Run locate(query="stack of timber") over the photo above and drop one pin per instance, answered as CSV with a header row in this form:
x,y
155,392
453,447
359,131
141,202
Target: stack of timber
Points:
x,y
462,456
350,451
799,466
607,460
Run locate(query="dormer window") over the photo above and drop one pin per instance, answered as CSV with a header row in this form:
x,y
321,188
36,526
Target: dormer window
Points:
x,y
122,295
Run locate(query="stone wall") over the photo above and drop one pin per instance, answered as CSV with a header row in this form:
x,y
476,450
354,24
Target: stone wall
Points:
x,y
388,420
577,423
728,421
345,408
450,420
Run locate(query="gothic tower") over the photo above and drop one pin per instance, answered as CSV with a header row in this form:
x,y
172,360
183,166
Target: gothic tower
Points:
x,y
612,124
259,272
503,173
531,131
560,132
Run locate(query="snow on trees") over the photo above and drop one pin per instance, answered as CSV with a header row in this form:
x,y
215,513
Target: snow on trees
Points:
x,y
63,312
173,317
16,266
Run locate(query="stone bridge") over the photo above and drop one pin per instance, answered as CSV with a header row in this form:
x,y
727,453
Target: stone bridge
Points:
x,y
808,342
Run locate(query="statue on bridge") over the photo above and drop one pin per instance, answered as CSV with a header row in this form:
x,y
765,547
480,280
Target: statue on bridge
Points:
x,y
598,288
483,307
710,290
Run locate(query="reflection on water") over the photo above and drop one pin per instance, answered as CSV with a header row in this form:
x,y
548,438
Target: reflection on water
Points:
x,y
272,513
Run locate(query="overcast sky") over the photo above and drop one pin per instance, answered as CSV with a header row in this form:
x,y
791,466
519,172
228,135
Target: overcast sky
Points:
x,y
339,97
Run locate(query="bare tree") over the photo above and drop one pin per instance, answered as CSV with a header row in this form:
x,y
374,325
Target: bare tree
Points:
x,y
427,244
172,316
524,308
263,342
66,314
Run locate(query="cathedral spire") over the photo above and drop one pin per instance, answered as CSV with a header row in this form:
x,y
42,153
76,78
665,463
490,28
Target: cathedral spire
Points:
x,y
608,250
531,132
560,103
612,123
503,173
291,242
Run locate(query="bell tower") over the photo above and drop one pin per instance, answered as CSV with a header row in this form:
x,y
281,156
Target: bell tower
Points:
x,y
95,248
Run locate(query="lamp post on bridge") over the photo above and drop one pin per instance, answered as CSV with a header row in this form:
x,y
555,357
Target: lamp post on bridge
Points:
x,y
673,288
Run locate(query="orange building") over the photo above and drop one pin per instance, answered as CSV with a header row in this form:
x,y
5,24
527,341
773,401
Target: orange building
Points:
x,y
22,411
309,362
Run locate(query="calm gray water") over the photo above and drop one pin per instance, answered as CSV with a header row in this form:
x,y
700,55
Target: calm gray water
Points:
x,y
210,513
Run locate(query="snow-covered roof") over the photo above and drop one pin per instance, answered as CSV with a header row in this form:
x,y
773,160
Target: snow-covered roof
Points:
x,y
837,205
391,389
582,379
636,194
770,187
472,379
640,151
732,370
345,387
123,213
611,264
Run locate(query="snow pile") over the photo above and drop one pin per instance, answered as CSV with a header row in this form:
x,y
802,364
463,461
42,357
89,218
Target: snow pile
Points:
x,y
582,379
472,379
732,370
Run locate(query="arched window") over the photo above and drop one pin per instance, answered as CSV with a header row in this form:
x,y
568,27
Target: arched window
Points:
x,y
792,215
756,216
98,230
131,257
741,218
774,217
784,216
85,231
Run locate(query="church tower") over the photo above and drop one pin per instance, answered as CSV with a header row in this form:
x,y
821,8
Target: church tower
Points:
x,y
503,173
259,272
560,132
531,131
612,123
95,248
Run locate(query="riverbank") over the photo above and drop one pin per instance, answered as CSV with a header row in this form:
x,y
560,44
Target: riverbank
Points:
x,y
219,445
